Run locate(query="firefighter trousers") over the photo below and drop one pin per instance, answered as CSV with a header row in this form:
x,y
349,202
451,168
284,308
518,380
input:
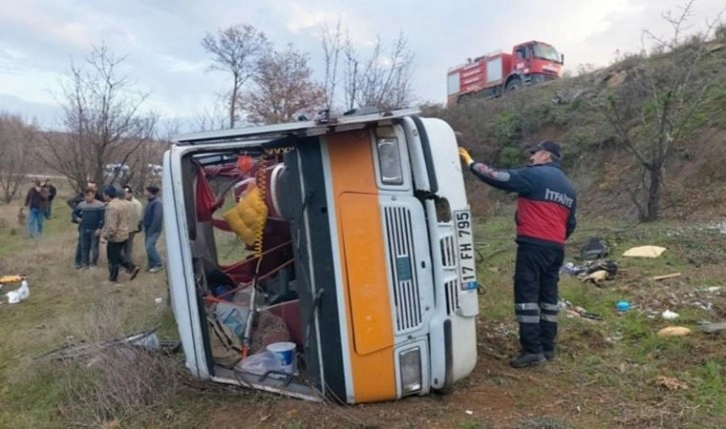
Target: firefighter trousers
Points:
x,y
536,302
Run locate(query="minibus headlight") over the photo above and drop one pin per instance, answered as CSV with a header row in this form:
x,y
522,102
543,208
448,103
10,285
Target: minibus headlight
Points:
x,y
410,361
389,159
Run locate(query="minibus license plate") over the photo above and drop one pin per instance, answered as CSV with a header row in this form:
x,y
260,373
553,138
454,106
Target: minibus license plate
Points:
x,y
465,243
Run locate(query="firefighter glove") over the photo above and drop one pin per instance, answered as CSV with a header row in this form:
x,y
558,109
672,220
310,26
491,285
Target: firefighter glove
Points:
x,y
464,154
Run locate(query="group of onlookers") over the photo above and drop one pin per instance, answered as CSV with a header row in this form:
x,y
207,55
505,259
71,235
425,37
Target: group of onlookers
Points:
x,y
115,217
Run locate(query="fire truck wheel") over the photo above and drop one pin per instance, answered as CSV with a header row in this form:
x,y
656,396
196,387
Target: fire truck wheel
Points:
x,y
513,85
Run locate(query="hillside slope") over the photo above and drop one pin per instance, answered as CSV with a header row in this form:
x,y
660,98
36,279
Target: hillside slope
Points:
x,y
572,112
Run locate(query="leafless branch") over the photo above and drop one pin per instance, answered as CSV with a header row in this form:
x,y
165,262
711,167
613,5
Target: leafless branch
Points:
x,y
284,88
332,48
667,94
16,141
102,118
235,50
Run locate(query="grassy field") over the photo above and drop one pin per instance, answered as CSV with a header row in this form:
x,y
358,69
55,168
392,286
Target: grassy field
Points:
x,y
611,373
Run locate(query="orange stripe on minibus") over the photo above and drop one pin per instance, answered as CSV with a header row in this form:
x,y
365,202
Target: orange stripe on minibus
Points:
x,y
358,213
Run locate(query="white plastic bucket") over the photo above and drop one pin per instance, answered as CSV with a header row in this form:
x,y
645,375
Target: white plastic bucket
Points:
x,y
285,354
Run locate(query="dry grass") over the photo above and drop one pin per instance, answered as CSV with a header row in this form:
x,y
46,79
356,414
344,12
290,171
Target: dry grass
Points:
x,y
605,375
68,305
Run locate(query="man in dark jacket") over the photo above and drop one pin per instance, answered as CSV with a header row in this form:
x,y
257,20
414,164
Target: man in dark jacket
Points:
x,y
51,196
89,215
545,219
36,201
153,223
73,203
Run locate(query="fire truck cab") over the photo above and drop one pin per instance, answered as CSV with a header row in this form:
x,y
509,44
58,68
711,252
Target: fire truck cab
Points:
x,y
493,74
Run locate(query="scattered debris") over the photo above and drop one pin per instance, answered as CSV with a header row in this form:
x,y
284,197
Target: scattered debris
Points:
x,y
713,289
594,248
469,413
146,340
666,276
597,277
645,252
594,271
572,269
674,331
670,383
669,315
20,294
577,311
712,328
615,339
623,306
12,279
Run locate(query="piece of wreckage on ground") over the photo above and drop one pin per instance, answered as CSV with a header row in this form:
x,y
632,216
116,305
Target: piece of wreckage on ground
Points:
x,y
596,268
21,293
355,277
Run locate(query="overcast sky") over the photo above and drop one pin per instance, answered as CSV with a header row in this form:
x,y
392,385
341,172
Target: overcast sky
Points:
x,y
161,38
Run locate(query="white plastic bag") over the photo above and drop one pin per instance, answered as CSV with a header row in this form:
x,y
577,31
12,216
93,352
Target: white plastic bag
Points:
x,y
259,363
24,291
13,297
20,294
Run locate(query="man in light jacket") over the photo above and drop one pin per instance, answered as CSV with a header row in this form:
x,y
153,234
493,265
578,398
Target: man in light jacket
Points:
x,y
115,231
136,215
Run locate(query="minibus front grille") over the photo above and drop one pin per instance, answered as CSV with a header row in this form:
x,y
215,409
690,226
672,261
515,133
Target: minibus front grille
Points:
x,y
448,253
452,296
406,294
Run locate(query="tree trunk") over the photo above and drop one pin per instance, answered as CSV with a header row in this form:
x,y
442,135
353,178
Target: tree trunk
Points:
x,y
654,192
233,103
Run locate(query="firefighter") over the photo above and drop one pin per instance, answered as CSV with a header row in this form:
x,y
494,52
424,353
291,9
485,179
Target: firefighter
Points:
x,y
545,219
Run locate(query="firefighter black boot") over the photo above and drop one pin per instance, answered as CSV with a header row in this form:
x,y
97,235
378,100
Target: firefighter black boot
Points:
x,y
527,359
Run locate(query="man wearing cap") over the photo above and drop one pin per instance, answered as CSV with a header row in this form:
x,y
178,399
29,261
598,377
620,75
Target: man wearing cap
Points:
x,y
136,214
153,224
545,219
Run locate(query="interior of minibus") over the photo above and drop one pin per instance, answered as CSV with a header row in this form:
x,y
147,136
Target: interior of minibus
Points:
x,y
244,266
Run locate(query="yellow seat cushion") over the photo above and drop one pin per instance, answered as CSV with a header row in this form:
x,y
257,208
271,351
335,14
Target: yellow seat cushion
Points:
x,y
248,217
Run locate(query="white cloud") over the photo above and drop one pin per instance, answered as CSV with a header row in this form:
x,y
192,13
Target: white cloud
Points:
x,y
311,17
162,37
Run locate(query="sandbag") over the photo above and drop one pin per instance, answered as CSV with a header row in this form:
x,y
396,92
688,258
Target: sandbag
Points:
x,y
269,329
226,346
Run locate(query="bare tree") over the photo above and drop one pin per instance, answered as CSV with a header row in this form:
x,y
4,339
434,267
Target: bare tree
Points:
x,y
383,80
102,118
332,49
284,88
15,146
214,118
661,104
236,50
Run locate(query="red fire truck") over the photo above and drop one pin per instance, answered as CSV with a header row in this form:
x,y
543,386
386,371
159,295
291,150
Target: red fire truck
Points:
x,y
492,74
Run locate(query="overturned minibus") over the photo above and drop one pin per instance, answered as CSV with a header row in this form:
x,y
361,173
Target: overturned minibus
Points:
x,y
347,238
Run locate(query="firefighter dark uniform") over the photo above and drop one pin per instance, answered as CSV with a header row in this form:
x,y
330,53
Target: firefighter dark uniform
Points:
x,y
545,218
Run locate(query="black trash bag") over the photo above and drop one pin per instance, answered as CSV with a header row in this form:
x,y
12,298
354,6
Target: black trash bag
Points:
x,y
608,265
594,248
